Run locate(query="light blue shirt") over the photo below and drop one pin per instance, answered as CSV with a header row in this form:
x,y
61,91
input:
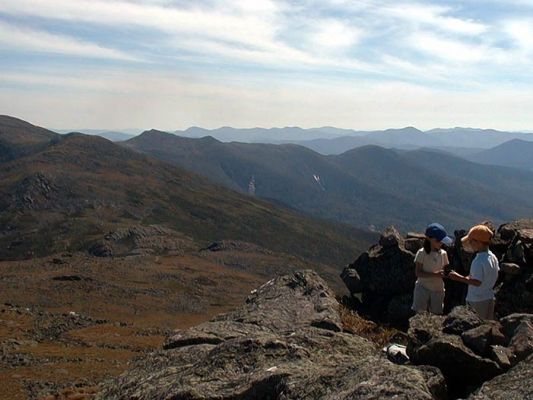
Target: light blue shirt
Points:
x,y
485,269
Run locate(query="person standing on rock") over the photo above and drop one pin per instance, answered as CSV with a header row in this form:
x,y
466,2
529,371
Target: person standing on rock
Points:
x,y
430,262
483,271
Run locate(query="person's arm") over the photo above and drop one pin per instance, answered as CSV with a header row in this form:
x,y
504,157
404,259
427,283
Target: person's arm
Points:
x,y
420,273
445,264
454,276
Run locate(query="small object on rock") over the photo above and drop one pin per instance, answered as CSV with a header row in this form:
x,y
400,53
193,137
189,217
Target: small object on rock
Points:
x,y
396,353
271,369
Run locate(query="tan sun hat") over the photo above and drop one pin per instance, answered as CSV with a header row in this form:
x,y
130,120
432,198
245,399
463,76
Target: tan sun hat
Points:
x,y
481,233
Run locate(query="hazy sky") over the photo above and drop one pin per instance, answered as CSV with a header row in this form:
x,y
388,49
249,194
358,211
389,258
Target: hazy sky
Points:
x,y
355,64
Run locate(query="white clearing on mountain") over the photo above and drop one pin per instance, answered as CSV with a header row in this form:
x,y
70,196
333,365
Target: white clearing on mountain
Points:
x,y
319,182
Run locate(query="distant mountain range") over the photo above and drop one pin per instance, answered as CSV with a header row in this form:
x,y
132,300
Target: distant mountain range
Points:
x,y
65,192
514,153
462,142
412,138
366,186
329,140
265,135
114,136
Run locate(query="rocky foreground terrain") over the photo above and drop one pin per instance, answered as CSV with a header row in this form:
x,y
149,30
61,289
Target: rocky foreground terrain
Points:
x,y
290,341
286,342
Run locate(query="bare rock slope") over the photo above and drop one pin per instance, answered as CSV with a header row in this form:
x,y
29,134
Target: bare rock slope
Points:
x,y
286,342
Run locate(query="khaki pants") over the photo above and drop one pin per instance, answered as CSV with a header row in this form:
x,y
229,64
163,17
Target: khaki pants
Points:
x,y
485,309
427,300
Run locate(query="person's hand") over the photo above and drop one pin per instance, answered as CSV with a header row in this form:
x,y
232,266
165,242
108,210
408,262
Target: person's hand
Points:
x,y
439,273
454,276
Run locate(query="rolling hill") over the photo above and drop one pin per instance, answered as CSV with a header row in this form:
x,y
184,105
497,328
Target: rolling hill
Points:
x,y
75,188
367,186
114,136
514,153
18,138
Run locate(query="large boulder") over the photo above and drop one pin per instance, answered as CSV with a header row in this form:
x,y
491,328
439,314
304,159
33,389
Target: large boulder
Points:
x,y
286,342
383,275
516,384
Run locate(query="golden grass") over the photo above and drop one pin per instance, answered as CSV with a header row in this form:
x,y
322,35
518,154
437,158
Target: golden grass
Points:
x,y
354,323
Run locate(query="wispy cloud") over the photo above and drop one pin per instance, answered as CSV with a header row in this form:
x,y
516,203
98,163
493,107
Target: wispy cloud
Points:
x,y
19,39
448,49
438,45
436,17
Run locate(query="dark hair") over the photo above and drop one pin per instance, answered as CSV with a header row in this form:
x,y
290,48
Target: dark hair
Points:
x,y
427,246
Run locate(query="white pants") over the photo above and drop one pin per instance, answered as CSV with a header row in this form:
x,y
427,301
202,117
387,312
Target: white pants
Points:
x,y
485,308
427,300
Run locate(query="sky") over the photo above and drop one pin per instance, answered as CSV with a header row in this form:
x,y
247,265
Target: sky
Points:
x,y
171,64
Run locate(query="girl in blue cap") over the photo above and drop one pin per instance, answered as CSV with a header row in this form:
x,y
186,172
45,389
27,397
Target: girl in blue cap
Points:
x,y
430,262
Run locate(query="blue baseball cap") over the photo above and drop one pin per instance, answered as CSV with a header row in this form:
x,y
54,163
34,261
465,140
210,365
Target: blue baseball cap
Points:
x,y
438,232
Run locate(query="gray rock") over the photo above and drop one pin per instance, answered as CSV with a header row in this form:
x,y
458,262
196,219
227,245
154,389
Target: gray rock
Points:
x,y
479,339
516,384
384,273
460,320
521,343
512,321
143,240
429,345
448,352
284,343
501,355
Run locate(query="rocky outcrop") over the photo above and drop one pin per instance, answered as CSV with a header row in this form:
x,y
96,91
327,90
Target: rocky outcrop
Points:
x,y
235,245
468,350
384,276
286,342
34,191
382,279
141,240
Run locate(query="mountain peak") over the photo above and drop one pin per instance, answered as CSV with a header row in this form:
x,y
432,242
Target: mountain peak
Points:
x,y
18,132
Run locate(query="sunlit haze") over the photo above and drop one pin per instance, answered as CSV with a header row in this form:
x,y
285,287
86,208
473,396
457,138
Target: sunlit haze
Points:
x,y
352,64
